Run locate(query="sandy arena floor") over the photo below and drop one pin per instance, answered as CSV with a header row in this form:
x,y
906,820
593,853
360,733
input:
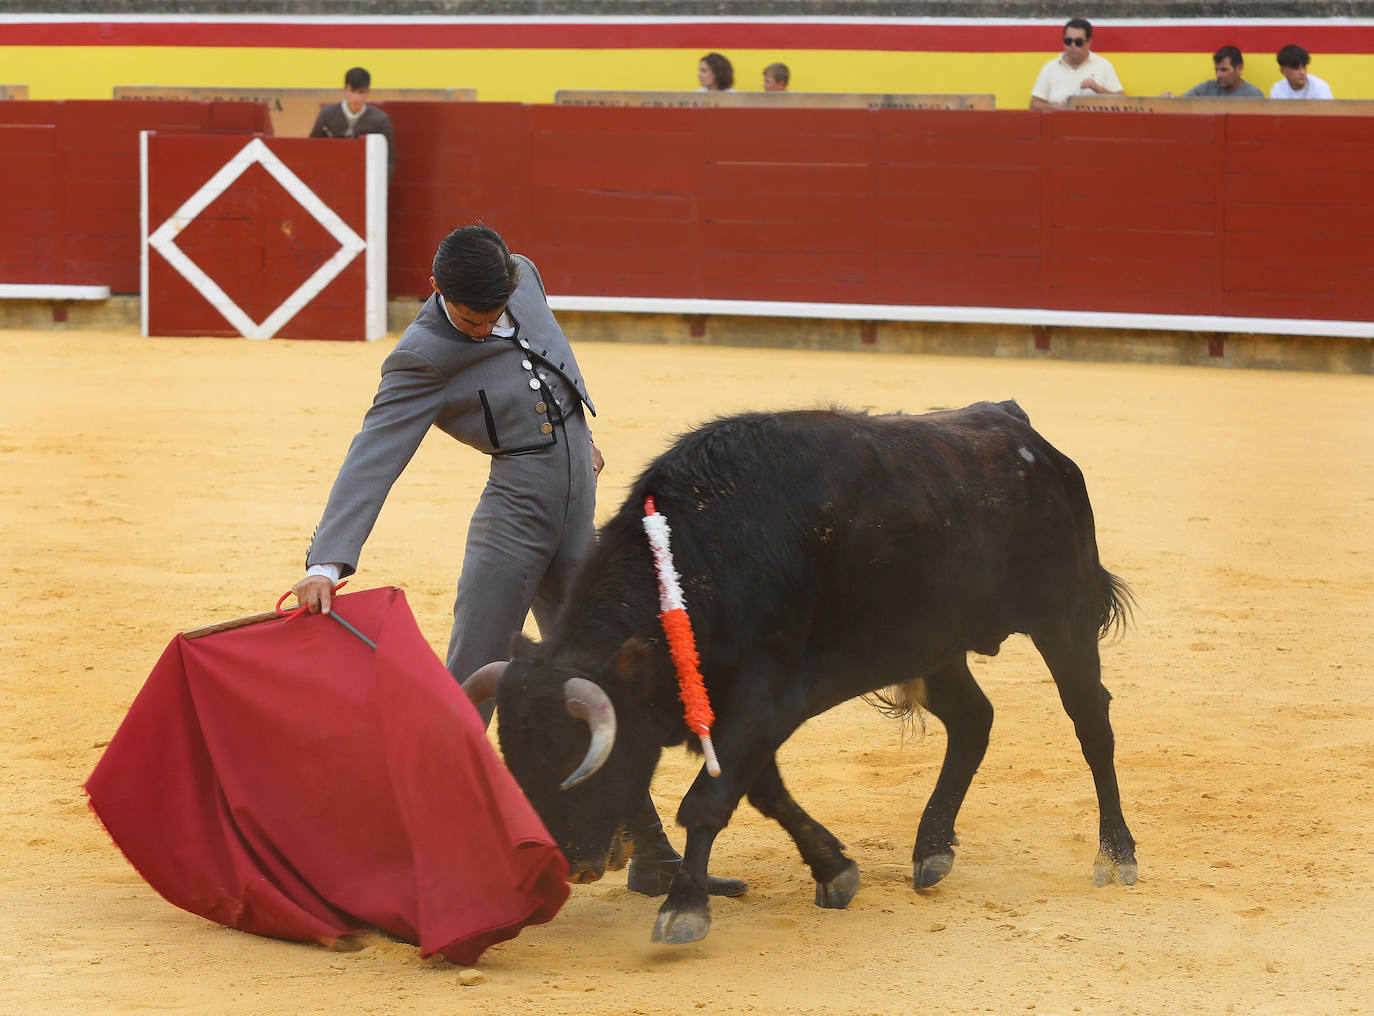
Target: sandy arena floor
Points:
x,y
157,485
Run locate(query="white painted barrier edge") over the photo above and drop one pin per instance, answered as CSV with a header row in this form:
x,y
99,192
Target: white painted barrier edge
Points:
x,y
143,231
374,254
967,315
39,291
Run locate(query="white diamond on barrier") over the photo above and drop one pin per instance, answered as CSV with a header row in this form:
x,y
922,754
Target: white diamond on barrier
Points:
x,y
163,240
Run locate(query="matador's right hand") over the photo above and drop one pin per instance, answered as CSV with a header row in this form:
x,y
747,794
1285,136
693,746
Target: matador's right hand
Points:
x,y
314,592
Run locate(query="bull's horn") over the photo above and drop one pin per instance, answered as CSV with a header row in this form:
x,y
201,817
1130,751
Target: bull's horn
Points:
x,y
587,701
481,685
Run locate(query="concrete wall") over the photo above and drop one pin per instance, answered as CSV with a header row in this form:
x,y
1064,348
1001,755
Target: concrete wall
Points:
x,y
1264,352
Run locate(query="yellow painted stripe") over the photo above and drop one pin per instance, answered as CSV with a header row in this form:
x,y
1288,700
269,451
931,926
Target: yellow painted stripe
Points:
x,y
533,75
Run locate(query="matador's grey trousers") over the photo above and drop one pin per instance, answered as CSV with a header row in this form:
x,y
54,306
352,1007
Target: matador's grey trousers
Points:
x,y
533,527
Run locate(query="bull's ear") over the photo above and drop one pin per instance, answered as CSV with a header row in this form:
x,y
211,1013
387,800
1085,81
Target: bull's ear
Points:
x,y
632,665
521,645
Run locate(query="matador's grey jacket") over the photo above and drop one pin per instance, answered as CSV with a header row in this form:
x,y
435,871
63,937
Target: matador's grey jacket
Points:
x,y
500,396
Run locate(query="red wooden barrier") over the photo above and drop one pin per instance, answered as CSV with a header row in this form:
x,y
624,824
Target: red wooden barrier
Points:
x,y
80,181
1299,219
1218,215
29,233
957,217
276,237
1212,215
1132,217
450,170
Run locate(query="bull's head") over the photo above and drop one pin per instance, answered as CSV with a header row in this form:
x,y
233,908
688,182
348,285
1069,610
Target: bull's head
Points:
x,y
583,763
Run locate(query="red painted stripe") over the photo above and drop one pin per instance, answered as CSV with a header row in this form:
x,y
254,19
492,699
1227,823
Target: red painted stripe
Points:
x,y
1201,38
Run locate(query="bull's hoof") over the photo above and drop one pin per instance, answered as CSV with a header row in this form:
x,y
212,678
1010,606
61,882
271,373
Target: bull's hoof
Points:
x,y
678,927
840,890
655,878
1107,871
929,870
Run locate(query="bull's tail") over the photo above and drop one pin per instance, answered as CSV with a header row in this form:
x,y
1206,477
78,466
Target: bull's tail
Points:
x,y
905,702
1117,607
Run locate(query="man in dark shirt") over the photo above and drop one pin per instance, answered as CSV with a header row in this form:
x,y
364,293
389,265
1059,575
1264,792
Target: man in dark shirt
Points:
x,y
354,117
1228,83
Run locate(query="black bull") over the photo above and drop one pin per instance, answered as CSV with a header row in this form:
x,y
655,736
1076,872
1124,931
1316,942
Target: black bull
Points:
x,y
824,555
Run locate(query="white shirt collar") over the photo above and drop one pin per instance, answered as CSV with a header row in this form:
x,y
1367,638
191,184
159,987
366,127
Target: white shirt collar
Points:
x,y
1086,60
503,329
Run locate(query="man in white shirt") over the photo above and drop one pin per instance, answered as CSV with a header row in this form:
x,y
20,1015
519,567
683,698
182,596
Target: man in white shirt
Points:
x,y
1076,71
1296,83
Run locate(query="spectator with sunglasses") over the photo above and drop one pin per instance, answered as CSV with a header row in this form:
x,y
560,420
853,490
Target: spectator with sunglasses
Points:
x,y
1076,71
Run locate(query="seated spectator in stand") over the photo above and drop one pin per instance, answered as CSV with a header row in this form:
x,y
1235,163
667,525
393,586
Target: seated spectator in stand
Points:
x,y
1297,83
1076,71
1228,83
354,117
715,74
775,77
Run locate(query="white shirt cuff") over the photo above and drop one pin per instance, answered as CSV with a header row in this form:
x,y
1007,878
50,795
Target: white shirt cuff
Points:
x,y
329,571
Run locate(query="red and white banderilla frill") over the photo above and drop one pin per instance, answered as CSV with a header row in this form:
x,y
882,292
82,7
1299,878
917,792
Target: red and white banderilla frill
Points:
x,y
682,644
